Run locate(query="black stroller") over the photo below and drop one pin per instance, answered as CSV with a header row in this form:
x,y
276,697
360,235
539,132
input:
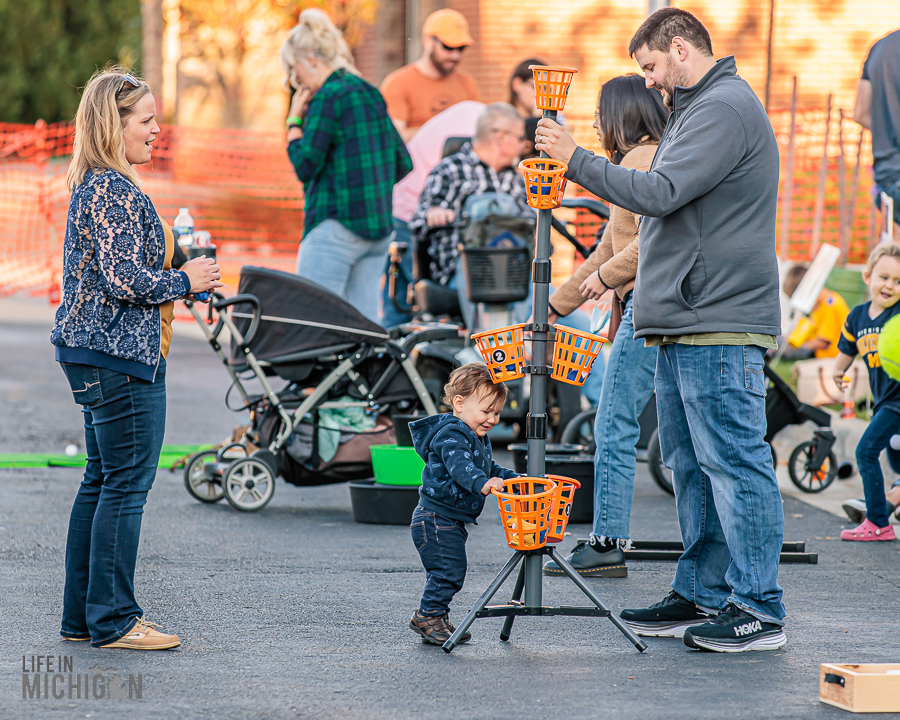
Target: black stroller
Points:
x,y
331,357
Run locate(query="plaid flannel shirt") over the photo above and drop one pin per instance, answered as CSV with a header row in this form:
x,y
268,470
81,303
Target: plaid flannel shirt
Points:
x,y
349,158
453,180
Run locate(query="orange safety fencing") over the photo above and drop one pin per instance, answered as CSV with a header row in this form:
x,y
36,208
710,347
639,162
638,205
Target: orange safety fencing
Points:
x,y
809,143
240,186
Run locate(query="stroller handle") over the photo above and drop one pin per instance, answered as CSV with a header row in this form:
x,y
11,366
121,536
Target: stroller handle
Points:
x,y
254,322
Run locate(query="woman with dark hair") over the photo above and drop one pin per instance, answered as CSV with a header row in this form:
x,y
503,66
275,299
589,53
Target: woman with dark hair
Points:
x,y
521,89
630,120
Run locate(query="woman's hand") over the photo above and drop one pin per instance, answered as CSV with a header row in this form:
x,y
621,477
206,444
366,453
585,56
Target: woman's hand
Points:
x,y
592,288
553,140
299,102
203,274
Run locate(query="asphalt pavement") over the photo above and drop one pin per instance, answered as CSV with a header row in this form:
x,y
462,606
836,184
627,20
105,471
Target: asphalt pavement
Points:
x,y
298,612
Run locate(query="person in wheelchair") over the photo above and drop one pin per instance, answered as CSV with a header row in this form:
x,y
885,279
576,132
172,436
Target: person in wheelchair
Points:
x,y
486,164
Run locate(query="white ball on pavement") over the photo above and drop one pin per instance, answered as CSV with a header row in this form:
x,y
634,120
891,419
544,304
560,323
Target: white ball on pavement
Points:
x,y
71,450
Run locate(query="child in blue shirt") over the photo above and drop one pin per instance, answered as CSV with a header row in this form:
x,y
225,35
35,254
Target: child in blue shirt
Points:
x,y
860,336
459,472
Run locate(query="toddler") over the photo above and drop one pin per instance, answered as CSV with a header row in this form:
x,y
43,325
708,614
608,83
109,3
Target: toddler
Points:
x,y
860,335
459,472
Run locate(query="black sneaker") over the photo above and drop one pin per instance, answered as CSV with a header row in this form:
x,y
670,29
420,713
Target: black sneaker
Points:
x,y
667,618
588,562
734,630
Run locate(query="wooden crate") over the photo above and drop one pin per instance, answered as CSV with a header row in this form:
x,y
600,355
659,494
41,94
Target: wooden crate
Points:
x,y
861,688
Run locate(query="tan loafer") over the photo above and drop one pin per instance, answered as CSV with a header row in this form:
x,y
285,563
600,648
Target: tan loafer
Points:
x,y
143,637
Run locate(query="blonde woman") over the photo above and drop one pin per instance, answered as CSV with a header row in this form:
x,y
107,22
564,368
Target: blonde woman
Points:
x,y
112,333
348,156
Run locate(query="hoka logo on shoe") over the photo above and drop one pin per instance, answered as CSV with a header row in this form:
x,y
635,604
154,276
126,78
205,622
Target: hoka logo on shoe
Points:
x,y
748,628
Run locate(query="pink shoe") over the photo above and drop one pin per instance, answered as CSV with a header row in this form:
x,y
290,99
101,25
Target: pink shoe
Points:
x,y
869,532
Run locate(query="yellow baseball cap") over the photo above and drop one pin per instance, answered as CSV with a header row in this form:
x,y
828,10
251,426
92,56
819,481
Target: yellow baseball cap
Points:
x,y
448,26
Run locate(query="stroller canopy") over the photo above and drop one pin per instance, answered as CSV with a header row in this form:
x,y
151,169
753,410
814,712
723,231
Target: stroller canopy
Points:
x,y
300,318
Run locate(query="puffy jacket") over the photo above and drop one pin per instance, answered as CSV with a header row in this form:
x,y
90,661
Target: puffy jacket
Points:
x,y
113,277
457,465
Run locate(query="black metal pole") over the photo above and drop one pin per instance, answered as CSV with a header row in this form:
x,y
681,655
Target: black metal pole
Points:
x,y
536,430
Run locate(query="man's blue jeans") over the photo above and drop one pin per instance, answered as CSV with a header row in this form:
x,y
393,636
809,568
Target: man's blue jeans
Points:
x,y
441,544
627,386
345,263
124,423
712,419
885,423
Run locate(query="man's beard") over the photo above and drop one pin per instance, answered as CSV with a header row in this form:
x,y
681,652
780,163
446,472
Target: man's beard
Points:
x,y
442,67
674,77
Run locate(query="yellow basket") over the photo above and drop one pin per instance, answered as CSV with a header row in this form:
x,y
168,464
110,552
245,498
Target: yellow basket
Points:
x,y
551,86
544,182
574,353
561,507
503,351
525,505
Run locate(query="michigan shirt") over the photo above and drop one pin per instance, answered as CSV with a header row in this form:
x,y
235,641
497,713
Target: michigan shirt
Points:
x,y
860,337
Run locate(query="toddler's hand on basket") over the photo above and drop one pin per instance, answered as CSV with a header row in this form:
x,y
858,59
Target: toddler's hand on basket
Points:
x,y
494,483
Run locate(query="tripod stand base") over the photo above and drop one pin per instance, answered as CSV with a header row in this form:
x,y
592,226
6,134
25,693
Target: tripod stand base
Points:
x,y
515,608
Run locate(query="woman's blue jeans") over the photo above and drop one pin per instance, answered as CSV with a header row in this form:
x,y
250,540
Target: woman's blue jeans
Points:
x,y
124,423
885,423
711,402
627,386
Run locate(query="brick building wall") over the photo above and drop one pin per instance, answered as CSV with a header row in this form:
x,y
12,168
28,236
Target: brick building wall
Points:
x,y
823,42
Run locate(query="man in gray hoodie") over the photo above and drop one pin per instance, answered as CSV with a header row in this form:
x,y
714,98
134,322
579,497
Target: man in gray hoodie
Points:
x,y
706,293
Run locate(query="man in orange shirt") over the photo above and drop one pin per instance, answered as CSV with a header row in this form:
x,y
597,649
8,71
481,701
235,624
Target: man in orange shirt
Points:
x,y
417,92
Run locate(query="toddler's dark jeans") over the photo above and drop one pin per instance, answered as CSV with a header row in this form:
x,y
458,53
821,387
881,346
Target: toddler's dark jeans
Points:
x,y
441,543
885,423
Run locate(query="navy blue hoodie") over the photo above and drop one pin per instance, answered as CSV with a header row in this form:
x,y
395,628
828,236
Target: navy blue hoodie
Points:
x,y
457,465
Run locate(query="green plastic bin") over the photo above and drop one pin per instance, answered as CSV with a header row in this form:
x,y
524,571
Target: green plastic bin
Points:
x,y
397,465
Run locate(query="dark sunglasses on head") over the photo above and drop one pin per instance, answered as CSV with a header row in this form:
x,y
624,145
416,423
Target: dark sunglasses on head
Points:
x,y
130,80
461,48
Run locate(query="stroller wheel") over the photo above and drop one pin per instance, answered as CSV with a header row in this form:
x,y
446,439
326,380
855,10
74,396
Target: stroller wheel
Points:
x,y
811,479
199,480
249,484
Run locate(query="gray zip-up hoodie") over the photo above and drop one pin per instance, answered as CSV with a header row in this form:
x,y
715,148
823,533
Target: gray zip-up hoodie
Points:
x,y
707,257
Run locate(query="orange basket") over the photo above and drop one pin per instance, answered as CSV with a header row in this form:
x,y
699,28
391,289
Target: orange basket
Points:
x,y
525,511
574,353
551,86
544,182
561,506
503,351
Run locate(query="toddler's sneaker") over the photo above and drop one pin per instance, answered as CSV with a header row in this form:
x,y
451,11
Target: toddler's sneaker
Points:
x,y
734,630
869,532
435,630
856,509
667,618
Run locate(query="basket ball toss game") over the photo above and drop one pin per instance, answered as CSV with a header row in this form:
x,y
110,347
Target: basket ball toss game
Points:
x,y
534,510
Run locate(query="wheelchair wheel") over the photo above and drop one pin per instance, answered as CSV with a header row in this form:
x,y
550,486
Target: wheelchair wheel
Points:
x,y
658,471
810,479
199,481
580,431
248,484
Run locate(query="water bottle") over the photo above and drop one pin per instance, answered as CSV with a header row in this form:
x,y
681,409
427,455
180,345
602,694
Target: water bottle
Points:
x,y
184,228
848,407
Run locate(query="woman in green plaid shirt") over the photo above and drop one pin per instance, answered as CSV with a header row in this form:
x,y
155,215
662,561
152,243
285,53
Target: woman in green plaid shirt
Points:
x,y
348,156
